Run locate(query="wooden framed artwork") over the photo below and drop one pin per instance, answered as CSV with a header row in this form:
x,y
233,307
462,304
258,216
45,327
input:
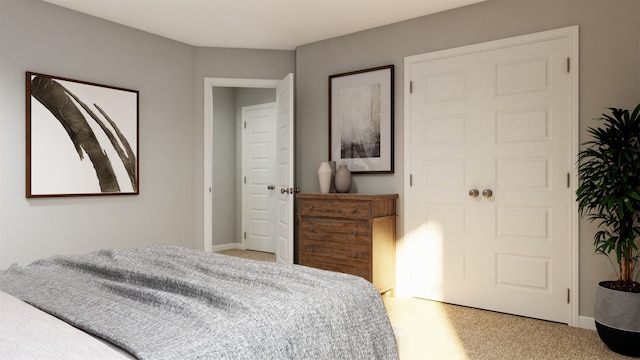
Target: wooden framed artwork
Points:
x,y
82,138
361,120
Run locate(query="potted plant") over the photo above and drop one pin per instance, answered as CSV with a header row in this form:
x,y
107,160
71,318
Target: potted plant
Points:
x,y
609,194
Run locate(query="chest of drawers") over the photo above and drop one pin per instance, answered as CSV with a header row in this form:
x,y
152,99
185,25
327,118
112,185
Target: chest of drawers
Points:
x,y
350,233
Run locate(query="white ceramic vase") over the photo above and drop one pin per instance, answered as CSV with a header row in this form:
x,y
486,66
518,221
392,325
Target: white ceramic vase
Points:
x,y
343,179
324,177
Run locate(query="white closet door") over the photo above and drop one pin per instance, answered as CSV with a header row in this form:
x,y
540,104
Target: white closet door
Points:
x,y
446,162
497,121
527,161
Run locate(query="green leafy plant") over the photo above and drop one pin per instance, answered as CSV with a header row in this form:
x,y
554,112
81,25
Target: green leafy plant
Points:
x,y
609,191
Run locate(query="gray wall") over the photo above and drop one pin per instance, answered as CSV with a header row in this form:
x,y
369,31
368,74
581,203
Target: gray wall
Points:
x,y
40,37
224,165
609,76
36,36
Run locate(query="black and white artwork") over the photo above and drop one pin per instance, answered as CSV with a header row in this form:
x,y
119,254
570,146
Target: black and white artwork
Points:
x,y
360,136
82,138
361,120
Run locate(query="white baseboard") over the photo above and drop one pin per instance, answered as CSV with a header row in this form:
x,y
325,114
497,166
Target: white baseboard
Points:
x,y
586,322
229,246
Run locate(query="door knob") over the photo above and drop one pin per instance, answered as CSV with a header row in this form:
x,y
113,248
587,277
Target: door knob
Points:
x,y
474,193
487,193
271,187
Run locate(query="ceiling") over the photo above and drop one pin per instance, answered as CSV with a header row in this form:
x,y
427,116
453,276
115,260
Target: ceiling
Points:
x,y
257,24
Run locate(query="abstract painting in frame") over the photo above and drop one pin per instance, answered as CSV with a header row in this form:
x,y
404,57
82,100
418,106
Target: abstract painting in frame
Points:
x,y
82,138
361,120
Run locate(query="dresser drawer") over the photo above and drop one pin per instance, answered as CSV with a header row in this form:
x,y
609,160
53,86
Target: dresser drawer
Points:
x,y
325,208
354,232
335,252
343,268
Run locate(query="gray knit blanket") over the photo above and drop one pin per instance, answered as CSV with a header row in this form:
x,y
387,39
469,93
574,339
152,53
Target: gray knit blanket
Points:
x,y
168,302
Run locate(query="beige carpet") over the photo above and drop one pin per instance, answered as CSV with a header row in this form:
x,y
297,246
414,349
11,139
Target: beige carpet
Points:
x,y
432,330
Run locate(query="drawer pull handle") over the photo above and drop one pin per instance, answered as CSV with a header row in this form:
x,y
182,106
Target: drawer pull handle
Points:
x,y
312,229
354,210
311,207
311,250
355,233
354,255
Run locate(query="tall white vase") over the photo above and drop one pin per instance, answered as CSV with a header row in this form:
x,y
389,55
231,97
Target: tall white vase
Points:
x,y
324,177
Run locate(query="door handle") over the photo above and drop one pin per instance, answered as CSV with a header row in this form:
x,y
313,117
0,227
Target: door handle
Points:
x,y
286,191
487,193
271,187
474,193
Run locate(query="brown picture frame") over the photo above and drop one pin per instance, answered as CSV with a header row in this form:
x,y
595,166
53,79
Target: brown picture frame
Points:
x,y
81,138
361,120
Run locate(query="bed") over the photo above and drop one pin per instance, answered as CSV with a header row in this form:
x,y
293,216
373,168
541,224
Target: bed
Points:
x,y
168,302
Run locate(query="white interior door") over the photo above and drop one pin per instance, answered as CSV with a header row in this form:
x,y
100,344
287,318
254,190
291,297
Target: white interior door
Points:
x,y
285,186
490,155
259,177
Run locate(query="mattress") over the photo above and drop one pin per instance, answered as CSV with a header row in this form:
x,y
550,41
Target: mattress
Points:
x,y
27,333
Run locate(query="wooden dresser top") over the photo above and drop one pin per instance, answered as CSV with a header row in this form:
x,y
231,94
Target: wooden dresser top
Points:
x,y
346,196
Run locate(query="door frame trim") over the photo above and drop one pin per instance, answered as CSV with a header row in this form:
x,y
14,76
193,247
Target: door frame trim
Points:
x,y
209,84
572,33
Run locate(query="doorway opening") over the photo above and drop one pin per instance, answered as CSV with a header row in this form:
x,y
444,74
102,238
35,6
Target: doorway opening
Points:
x,y
223,174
